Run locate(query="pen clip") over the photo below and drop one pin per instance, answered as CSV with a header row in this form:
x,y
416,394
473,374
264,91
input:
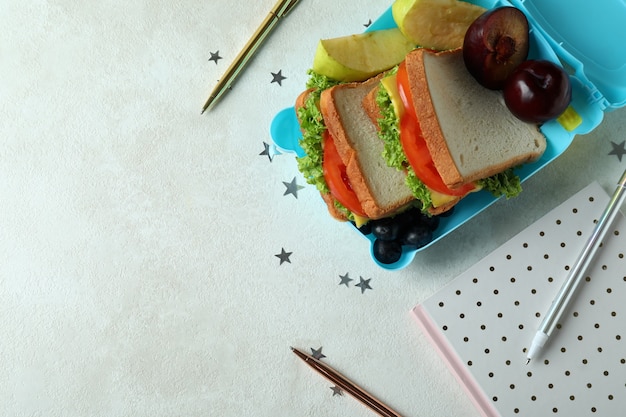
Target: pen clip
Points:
x,y
284,7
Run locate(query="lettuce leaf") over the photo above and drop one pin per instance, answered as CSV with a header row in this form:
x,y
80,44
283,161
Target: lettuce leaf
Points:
x,y
393,153
319,82
506,184
312,125
389,131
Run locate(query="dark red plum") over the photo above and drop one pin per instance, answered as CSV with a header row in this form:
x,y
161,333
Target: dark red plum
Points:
x,y
495,44
537,91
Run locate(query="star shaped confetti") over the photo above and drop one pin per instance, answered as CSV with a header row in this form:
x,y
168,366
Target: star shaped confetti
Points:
x,y
336,390
292,187
278,77
317,353
345,280
283,256
364,284
618,149
269,151
215,56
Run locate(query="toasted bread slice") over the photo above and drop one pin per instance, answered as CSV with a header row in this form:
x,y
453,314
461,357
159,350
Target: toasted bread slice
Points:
x,y
301,99
370,105
468,129
332,208
380,189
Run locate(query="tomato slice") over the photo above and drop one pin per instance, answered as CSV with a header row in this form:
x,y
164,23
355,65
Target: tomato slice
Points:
x,y
337,179
414,145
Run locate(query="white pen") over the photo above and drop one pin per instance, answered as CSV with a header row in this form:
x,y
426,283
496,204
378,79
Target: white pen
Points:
x,y
576,273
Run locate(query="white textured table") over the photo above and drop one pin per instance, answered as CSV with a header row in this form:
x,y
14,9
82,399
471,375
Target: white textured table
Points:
x,y
138,239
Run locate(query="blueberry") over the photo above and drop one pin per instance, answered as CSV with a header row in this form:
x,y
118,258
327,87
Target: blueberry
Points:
x,y
432,222
387,252
418,235
409,216
385,229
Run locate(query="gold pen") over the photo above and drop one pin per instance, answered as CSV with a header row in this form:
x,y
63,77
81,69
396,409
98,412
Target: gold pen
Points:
x,y
345,384
279,11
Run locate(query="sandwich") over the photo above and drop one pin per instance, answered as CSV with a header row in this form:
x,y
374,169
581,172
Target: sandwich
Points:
x,y
423,134
344,154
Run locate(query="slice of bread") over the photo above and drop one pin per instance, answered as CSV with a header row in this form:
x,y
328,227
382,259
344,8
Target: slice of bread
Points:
x,y
302,98
468,129
370,105
380,189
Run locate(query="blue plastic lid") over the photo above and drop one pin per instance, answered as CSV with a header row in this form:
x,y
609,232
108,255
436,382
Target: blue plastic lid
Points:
x,y
587,36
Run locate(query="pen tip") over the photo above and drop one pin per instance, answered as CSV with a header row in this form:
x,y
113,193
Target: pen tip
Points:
x,y
207,105
527,361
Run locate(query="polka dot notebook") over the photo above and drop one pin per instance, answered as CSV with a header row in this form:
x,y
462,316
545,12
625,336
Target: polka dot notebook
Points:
x,y
484,320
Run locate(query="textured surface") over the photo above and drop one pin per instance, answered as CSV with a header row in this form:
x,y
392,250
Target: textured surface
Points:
x,y
138,239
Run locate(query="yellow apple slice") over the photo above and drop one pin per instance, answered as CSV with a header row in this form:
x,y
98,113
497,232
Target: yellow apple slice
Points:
x,y
435,24
359,57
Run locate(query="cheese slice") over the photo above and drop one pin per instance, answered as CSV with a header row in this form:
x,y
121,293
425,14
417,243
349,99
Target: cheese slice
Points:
x,y
391,85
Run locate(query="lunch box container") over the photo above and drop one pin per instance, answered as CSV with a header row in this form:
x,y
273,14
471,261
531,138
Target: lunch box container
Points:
x,y
585,37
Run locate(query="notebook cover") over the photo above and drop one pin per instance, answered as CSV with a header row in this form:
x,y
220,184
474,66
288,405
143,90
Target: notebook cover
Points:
x,y
484,320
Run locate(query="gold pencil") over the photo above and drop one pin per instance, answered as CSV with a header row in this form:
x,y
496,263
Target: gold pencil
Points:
x,y
345,384
279,11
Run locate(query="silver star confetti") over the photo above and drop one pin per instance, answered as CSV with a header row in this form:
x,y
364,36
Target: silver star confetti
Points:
x,y
278,77
292,187
618,149
269,151
345,280
364,284
317,353
215,56
283,256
